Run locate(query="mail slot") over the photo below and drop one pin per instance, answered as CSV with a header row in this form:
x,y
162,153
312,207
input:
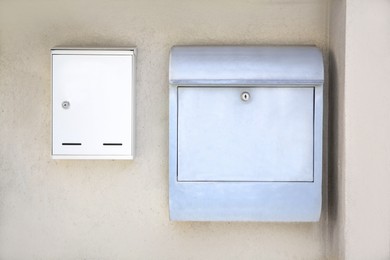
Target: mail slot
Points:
x,y
245,133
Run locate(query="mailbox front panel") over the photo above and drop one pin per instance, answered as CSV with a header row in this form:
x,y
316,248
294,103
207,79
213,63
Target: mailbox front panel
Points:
x,y
266,136
97,119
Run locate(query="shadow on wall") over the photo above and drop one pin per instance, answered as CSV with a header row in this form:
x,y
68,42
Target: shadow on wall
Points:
x,y
334,157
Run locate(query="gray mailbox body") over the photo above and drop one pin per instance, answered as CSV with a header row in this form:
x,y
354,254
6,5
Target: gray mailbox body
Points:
x,y
245,133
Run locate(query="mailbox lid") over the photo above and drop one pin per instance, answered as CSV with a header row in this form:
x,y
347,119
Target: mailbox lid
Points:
x,y
98,84
267,138
245,65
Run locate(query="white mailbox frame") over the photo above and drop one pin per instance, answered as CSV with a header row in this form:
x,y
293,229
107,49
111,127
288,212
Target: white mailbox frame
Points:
x,y
248,67
128,53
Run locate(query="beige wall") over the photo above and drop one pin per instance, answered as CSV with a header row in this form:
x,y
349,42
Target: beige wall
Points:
x,y
367,128
119,209
359,179
108,209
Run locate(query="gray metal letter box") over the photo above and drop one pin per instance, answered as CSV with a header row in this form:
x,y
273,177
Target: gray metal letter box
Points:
x,y
245,133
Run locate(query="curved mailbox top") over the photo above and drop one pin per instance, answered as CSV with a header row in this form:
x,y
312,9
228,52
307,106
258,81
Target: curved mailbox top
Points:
x,y
245,65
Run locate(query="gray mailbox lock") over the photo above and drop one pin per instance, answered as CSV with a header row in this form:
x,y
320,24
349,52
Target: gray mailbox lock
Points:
x,y
245,96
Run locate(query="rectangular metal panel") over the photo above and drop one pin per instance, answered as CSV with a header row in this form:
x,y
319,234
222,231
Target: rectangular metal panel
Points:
x,y
267,138
98,119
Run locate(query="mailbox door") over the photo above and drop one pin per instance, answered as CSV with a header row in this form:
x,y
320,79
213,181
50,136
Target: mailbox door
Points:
x,y
258,134
97,118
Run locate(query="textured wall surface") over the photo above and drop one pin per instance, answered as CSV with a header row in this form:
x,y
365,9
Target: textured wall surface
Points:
x,y
53,209
367,128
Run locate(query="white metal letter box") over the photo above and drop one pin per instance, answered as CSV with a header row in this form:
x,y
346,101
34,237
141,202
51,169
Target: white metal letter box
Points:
x,y
245,133
93,103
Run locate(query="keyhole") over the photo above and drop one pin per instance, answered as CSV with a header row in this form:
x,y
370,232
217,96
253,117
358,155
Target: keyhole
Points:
x,y
245,96
65,104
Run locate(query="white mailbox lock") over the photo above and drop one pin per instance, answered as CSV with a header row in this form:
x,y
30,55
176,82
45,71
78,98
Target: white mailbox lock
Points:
x,y
245,133
93,103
